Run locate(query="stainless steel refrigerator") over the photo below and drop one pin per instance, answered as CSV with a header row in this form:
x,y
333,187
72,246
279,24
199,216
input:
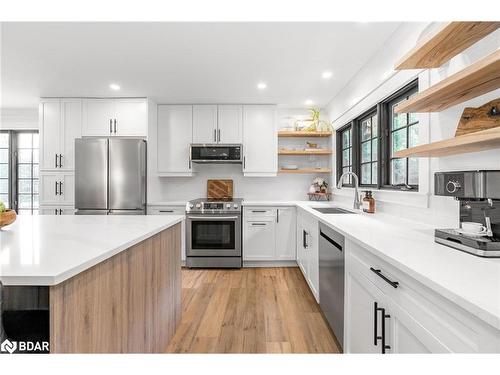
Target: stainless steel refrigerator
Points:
x,y
110,176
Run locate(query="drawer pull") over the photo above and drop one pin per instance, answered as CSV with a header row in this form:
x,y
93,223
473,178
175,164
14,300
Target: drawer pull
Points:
x,y
170,211
394,284
255,224
259,211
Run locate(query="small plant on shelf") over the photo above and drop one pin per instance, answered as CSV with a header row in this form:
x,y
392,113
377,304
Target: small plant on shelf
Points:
x,y
320,185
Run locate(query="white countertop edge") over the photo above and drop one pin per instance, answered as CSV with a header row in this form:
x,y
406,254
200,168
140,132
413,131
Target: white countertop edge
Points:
x,y
172,203
54,280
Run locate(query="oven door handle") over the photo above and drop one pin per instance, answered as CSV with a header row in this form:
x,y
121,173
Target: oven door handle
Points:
x,y
213,217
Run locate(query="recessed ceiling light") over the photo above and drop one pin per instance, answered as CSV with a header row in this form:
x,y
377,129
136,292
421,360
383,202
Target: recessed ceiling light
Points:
x,y
261,85
326,75
309,102
114,86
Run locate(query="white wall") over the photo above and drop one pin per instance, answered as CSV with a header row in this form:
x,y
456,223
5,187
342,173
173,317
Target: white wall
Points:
x,y
281,187
19,118
376,81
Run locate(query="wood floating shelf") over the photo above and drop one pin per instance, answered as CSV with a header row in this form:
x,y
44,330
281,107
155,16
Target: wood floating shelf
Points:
x,y
305,152
472,142
479,78
300,133
447,42
306,170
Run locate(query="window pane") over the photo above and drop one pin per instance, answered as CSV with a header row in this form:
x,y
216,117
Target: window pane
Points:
x,y
35,201
4,155
413,135
366,131
35,186
35,156
399,140
24,171
366,173
25,186
346,160
374,173
374,126
366,152
5,199
347,179
4,186
4,171
35,140
346,138
375,149
24,201
413,117
398,120
24,211
4,140
413,171
24,156
398,171
35,170
24,140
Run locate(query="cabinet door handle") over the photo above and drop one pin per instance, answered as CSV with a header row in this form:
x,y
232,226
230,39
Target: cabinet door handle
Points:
x,y
376,337
56,192
244,162
257,211
56,160
110,126
259,224
60,160
277,215
60,188
60,211
166,211
394,284
384,316
218,135
55,211
115,125
215,135
304,239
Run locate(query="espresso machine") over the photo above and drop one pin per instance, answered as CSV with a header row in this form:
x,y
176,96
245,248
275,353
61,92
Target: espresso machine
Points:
x,y
478,193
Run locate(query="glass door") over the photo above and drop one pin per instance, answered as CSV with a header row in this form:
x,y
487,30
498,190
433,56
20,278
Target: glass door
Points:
x,y
213,235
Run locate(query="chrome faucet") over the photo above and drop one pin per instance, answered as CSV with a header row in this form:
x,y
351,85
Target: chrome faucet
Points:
x,y
357,202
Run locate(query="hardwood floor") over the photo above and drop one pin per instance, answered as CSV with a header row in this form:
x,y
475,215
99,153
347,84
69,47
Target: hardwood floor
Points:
x,y
251,310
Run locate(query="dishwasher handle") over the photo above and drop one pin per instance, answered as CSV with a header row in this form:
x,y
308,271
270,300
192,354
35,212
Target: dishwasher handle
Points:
x,y
337,245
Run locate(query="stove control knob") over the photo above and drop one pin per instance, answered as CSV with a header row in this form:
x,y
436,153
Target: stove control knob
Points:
x,y
228,206
191,205
452,186
235,206
198,205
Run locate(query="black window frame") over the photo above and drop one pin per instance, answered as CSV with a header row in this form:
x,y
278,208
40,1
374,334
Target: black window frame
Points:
x,y
383,111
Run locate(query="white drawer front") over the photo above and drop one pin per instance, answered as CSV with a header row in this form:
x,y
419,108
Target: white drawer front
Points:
x,y
166,210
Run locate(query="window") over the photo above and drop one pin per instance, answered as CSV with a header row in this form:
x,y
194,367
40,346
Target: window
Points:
x,y
366,146
345,146
369,149
19,180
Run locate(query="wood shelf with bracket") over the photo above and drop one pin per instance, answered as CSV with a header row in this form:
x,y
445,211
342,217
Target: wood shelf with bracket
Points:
x,y
479,78
305,152
300,133
447,42
306,170
472,142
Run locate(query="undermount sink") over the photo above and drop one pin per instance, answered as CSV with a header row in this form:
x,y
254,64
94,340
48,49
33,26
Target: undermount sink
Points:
x,y
332,210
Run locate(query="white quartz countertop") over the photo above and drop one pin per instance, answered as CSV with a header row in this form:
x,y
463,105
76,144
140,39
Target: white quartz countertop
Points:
x,y
469,281
48,249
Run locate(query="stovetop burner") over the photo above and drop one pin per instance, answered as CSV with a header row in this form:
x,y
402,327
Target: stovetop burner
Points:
x,y
482,246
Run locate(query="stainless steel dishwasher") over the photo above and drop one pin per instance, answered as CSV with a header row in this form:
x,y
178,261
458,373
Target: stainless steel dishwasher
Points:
x,y
331,279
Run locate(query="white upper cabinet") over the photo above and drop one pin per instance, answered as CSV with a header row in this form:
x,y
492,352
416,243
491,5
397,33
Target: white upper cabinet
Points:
x,y
205,124
260,154
131,117
115,117
230,123
98,115
174,135
60,123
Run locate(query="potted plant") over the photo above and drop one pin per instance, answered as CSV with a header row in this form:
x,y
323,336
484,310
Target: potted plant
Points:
x,y
6,216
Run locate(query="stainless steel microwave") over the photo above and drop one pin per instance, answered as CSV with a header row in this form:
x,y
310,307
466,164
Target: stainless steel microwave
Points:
x,y
216,153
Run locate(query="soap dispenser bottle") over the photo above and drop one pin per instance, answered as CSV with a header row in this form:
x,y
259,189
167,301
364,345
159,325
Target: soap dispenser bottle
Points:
x,y
368,202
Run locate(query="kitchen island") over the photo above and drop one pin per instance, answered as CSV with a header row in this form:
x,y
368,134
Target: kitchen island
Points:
x,y
110,284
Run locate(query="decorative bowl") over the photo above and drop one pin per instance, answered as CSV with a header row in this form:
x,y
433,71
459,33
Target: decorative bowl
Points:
x,y
7,217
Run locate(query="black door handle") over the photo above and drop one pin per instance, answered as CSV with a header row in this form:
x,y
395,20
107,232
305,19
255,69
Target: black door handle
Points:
x,y
376,337
56,160
56,193
110,126
378,272
60,188
60,160
384,316
115,125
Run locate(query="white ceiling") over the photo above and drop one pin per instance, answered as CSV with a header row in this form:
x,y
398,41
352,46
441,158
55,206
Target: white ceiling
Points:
x,y
185,62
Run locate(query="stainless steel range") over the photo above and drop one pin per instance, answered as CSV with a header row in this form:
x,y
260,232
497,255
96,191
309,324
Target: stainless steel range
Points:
x,y
213,233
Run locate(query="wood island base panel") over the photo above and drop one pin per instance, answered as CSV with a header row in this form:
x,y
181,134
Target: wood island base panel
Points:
x,y
130,303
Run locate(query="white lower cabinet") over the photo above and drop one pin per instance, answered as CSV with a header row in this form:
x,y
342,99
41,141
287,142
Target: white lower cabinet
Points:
x,y
57,188
407,317
307,250
56,210
269,234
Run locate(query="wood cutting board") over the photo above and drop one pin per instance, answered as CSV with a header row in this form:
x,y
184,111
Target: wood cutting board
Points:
x,y
220,189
